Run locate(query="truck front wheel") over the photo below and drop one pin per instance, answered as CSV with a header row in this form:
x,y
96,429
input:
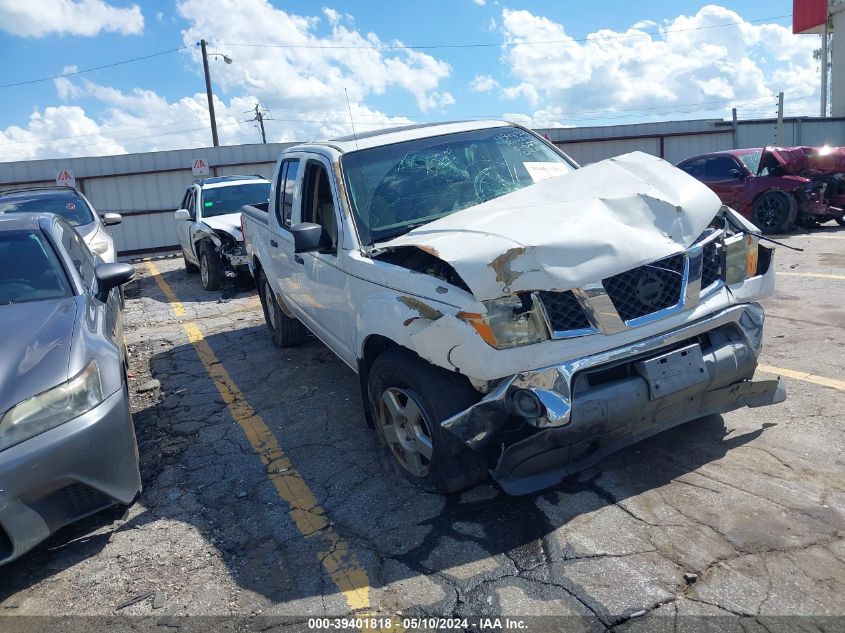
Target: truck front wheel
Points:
x,y
409,399
286,331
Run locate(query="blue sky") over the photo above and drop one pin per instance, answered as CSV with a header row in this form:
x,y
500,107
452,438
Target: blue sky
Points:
x,y
696,69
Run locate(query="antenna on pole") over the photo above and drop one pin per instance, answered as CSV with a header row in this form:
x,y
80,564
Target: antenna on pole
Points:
x,y
351,120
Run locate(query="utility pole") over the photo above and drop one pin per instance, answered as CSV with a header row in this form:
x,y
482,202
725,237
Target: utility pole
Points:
x,y
260,115
208,93
779,125
824,57
734,127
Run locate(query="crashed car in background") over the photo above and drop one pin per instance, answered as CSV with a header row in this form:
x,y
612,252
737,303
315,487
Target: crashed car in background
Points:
x,y
67,441
209,225
508,312
776,187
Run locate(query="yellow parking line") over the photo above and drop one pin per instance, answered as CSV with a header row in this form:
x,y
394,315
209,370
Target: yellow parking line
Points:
x,y
346,571
814,275
803,375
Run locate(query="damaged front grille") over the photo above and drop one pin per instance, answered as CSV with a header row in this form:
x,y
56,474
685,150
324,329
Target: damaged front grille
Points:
x,y
647,289
564,312
710,264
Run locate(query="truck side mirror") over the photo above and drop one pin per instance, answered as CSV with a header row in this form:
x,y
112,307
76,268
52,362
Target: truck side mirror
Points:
x,y
309,237
737,174
182,215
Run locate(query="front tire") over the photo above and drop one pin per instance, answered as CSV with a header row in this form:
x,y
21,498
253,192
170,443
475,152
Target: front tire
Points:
x,y
409,399
774,212
211,270
285,331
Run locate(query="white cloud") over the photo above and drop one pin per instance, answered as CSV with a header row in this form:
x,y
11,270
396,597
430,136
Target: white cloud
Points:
x,y
312,78
69,130
694,61
26,18
304,88
483,83
141,121
480,3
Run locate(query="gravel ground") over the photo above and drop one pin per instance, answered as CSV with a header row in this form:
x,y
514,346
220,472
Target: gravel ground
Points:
x,y
724,516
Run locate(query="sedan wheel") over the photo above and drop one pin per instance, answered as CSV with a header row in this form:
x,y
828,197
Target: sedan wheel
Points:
x,y
774,212
406,431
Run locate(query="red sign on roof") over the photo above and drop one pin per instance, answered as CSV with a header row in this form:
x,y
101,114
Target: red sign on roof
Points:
x,y
809,16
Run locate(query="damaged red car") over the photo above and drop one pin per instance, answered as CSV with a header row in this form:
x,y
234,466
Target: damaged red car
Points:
x,y
776,187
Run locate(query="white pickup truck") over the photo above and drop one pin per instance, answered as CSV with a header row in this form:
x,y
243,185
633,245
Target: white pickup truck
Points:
x,y
508,312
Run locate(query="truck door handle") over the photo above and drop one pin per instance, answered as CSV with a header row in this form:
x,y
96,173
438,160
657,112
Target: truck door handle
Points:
x,y
274,244
298,259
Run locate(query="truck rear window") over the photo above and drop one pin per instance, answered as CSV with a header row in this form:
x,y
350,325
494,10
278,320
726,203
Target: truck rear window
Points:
x,y
395,188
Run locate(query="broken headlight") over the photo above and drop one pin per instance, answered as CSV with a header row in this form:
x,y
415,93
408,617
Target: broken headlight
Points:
x,y
740,252
509,322
51,408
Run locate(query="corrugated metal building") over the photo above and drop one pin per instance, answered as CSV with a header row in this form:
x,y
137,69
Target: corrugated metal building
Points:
x,y
145,188
676,140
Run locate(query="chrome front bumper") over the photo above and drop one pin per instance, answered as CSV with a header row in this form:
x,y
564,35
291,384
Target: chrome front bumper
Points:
x,y
736,342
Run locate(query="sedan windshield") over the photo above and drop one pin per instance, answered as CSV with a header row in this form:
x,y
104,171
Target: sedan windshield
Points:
x,y
72,208
395,188
230,199
29,269
751,160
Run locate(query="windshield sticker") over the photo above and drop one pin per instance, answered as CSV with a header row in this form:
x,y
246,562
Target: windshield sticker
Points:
x,y
544,171
70,205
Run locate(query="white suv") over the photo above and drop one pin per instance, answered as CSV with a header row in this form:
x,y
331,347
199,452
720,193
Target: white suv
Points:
x,y
209,225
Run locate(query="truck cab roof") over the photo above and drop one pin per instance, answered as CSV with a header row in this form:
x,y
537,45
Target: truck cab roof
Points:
x,y
389,136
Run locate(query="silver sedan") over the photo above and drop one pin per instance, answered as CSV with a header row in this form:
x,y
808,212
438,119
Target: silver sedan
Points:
x,y
67,441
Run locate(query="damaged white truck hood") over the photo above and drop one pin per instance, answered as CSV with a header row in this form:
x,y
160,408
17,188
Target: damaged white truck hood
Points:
x,y
573,229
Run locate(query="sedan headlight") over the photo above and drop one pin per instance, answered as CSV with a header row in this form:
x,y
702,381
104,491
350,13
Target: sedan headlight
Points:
x,y
509,322
53,407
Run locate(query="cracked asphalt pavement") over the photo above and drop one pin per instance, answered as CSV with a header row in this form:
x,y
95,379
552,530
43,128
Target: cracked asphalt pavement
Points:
x,y
724,516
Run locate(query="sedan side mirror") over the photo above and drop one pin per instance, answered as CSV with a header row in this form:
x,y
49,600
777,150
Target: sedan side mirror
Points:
x,y
737,174
112,218
182,215
309,237
111,276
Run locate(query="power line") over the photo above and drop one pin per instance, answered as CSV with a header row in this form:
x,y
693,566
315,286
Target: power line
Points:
x,y
390,47
88,70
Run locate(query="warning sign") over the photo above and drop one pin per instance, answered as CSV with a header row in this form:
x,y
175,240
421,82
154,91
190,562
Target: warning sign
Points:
x,y
199,167
64,178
